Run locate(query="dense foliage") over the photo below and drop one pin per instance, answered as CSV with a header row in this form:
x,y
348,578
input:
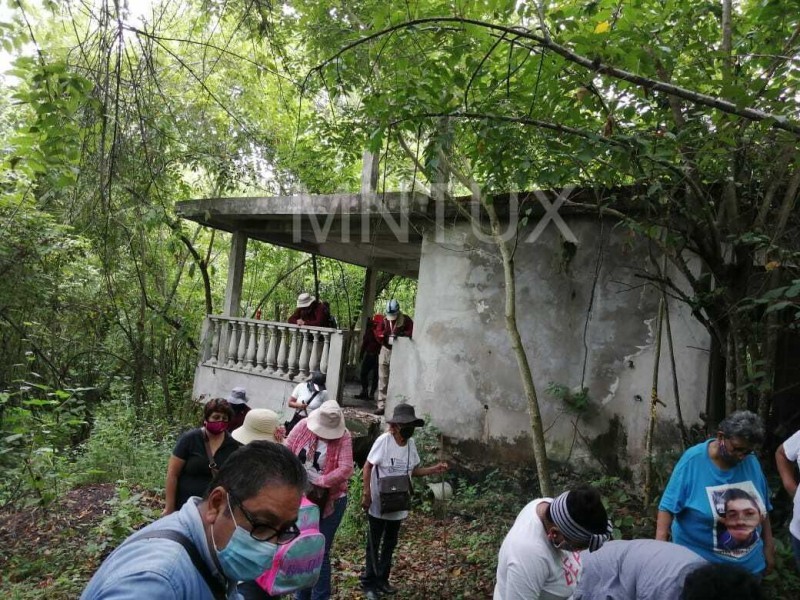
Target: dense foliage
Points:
x,y
681,115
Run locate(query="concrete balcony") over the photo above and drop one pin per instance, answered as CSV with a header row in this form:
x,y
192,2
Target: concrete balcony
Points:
x,y
267,358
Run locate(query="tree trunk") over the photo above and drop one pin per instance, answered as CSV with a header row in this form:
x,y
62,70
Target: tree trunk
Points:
x,y
537,429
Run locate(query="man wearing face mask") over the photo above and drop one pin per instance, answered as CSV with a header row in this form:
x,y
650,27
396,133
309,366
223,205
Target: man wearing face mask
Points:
x,y
540,557
393,453
203,550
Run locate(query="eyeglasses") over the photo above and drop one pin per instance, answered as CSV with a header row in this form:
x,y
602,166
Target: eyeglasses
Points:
x,y
266,533
739,450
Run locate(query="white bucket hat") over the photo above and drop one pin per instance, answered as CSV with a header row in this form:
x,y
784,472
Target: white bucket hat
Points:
x,y
304,300
259,424
327,422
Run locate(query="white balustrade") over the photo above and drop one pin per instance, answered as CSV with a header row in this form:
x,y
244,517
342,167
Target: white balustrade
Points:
x,y
276,350
262,347
272,350
232,344
305,352
292,361
241,328
316,349
250,357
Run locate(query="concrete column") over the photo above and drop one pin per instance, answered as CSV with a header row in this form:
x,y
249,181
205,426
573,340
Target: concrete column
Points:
x,y
233,289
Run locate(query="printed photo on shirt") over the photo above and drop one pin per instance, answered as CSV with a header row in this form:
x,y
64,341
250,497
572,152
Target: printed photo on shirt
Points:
x,y
738,510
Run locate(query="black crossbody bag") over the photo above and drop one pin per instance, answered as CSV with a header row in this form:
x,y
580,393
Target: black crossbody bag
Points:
x,y
395,491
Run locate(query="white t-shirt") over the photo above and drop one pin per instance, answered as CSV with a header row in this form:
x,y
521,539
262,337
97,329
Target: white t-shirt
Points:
x,y
389,458
303,394
529,567
792,449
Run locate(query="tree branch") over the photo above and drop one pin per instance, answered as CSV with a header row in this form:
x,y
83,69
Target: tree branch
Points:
x,y
594,65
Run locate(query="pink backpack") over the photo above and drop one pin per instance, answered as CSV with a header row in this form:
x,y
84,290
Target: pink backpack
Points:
x,y
296,565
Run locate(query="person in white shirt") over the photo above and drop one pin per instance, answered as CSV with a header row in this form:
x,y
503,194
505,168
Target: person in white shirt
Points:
x,y
393,453
309,395
787,456
540,557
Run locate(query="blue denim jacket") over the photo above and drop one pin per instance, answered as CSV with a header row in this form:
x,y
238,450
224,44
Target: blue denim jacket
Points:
x,y
155,567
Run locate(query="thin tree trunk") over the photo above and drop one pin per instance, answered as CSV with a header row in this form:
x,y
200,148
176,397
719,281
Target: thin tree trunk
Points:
x,y
675,387
537,429
651,425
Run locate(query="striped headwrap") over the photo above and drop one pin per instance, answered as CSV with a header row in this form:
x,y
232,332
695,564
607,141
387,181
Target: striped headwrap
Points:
x,y
572,530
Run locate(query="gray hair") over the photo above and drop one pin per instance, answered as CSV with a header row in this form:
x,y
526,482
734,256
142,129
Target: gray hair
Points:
x,y
743,424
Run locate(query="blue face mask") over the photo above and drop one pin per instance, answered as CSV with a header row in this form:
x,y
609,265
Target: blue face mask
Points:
x,y
244,558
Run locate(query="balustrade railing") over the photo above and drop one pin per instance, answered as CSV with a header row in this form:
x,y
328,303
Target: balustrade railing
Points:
x,y
279,350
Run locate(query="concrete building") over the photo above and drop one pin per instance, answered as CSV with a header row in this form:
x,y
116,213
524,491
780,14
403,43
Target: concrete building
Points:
x,y
586,309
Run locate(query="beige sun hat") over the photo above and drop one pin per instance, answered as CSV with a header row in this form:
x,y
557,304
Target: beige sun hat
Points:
x,y
327,422
304,300
259,424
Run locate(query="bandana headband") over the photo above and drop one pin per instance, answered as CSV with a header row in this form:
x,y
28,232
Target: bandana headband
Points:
x,y
572,530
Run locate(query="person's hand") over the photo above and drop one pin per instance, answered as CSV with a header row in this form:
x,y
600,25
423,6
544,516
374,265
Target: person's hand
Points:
x,y
439,468
366,500
167,511
301,322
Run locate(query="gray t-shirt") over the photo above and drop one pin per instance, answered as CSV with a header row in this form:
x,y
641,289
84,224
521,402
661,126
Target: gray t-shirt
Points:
x,y
636,570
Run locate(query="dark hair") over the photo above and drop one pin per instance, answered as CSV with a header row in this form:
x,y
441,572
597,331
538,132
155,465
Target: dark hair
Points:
x,y
257,464
217,405
737,494
586,506
743,424
318,378
721,581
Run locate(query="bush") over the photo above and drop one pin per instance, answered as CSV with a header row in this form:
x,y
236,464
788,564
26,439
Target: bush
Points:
x,y
123,449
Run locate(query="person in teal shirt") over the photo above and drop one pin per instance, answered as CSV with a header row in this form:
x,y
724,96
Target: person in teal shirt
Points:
x,y
697,502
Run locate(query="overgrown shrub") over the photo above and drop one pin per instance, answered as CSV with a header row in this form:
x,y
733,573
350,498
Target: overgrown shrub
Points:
x,y
122,448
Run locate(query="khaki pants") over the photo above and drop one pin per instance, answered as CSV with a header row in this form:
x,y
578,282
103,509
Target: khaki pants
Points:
x,y
384,358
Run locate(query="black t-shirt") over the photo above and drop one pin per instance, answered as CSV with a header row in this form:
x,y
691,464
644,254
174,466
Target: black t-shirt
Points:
x,y
196,475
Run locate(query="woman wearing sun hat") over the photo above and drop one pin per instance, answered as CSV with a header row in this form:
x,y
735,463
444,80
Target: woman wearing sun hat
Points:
x,y
324,445
310,312
259,424
393,453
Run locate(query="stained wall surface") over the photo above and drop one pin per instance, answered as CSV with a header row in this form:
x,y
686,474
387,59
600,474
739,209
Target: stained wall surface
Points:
x,y
587,317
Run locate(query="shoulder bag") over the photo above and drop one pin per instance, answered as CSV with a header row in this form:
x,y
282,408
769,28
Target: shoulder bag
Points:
x,y
395,491
299,414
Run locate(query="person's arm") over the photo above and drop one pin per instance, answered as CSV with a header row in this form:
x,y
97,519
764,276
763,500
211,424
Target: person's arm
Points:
x,y
366,479
174,468
769,544
436,469
295,403
663,525
787,471
344,466
293,318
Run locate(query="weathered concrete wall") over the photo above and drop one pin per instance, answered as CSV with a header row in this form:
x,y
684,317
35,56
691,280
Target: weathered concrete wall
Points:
x,y
584,315
262,392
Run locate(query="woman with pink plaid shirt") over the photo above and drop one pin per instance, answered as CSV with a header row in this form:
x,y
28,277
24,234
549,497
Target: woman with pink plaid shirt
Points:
x,y
324,445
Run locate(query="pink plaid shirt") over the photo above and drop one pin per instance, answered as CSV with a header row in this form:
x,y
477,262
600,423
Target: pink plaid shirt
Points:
x,y
338,463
